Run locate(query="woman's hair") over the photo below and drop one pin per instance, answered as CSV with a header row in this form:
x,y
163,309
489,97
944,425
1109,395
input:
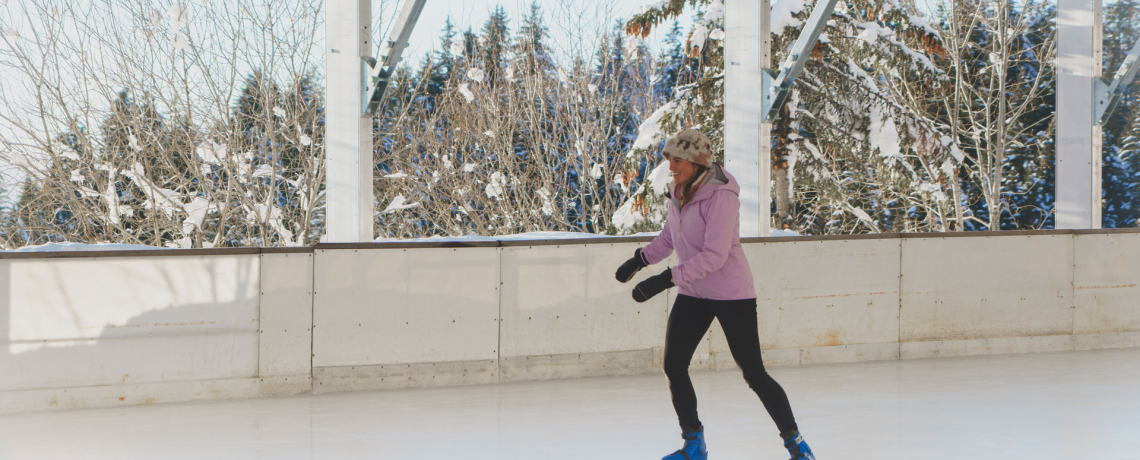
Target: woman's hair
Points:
x,y
691,187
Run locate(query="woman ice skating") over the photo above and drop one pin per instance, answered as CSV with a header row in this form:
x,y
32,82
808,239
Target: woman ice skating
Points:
x,y
703,226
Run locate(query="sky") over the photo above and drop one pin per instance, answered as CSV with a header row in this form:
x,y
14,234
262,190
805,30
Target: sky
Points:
x,y
572,23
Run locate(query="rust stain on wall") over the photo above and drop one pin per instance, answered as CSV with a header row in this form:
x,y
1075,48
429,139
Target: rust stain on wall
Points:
x,y
841,295
829,340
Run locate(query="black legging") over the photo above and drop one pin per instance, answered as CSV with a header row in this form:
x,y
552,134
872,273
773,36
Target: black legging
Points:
x,y
688,322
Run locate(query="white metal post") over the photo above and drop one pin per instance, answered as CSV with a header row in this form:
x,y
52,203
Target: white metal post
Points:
x,y
348,134
765,54
1079,65
747,142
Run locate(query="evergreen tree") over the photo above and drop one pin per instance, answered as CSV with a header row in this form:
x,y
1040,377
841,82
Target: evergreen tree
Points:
x,y
529,47
34,219
1121,165
675,68
495,44
444,63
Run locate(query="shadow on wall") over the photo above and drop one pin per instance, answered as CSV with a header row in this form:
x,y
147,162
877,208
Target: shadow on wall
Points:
x,y
98,321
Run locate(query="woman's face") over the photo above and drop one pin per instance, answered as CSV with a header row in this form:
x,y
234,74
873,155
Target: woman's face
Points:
x,y
682,170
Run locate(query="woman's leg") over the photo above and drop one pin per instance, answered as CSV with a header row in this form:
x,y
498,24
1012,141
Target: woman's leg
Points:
x,y
738,319
687,325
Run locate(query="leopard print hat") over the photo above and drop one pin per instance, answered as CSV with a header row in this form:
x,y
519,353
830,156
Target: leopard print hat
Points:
x,y
690,144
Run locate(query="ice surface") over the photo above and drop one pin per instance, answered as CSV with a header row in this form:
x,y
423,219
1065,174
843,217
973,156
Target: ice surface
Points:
x,y
1050,406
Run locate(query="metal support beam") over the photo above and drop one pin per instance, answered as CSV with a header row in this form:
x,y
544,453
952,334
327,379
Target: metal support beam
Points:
x,y
391,55
747,148
1109,94
1079,58
776,88
348,134
765,54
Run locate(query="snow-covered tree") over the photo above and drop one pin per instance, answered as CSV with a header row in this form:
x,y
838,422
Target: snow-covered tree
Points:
x,y
129,134
1121,143
532,146
856,159
997,106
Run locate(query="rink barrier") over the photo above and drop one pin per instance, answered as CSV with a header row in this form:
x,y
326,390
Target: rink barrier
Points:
x,y
114,328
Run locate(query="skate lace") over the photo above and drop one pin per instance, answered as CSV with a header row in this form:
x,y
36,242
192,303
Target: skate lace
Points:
x,y
684,450
797,454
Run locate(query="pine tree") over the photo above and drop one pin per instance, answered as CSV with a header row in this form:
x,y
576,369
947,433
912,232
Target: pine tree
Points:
x,y
34,220
529,47
495,44
675,68
444,59
1121,175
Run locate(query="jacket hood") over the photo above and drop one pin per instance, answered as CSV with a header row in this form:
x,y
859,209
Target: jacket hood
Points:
x,y
718,180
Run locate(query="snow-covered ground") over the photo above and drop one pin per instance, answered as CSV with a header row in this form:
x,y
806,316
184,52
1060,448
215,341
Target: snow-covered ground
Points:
x,y
531,236
1051,406
74,247
541,236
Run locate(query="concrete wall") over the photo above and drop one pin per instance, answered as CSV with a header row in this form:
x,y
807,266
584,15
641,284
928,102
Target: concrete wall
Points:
x,y
85,332
131,329
285,348
401,317
967,296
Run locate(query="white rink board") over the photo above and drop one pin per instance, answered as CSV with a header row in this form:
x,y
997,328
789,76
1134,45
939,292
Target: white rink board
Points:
x,y
397,306
100,331
825,293
285,351
84,322
1107,284
564,299
984,288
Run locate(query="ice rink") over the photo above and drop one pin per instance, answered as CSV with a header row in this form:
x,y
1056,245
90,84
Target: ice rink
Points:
x,y
1076,405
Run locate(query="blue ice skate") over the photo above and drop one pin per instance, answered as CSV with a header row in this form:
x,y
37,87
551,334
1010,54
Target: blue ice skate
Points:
x,y
694,448
796,446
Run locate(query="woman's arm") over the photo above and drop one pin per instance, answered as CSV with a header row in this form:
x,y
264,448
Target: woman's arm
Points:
x,y
721,226
661,246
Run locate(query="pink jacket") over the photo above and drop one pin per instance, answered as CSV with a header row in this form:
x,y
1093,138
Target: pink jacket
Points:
x,y
706,236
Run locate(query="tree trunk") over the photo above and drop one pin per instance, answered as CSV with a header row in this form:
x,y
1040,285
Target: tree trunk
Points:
x,y
785,205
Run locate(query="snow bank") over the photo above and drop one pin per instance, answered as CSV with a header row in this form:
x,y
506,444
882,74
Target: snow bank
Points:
x,y
649,133
539,236
530,236
399,203
701,31
78,247
660,178
884,134
783,15
626,216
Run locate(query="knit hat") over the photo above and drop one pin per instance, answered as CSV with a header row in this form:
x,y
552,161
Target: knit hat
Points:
x,y
691,145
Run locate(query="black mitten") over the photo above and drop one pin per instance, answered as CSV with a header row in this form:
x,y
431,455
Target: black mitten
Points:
x,y
626,271
652,286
